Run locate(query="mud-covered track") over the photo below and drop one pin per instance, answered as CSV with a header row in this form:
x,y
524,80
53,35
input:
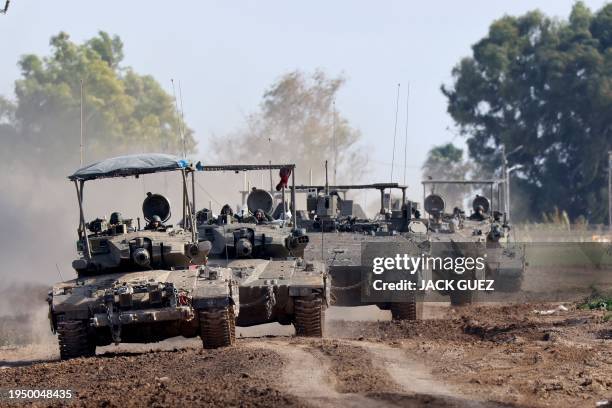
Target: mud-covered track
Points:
x,y
217,328
73,340
309,317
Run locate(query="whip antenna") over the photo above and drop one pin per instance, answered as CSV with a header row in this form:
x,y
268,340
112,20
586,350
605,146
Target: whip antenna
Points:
x,y
335,142
5,7
406,135
182,120
82,122
395,130
178,116
394,137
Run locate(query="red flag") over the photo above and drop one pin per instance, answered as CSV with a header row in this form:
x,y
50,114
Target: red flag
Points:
x,y
284,174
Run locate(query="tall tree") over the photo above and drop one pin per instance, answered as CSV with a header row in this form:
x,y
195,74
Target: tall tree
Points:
x,y
125,112
297,122
542,88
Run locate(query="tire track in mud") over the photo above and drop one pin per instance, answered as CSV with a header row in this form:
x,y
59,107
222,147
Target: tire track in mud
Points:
x,y
415,378
411,376
321,377
308,378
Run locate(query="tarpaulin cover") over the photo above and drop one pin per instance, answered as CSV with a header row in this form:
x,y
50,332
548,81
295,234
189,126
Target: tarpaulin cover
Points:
x,y
130,165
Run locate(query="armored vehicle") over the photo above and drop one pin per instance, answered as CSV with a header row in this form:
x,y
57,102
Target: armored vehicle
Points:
x,y
350,244
327,211
483,235
248,237
265,256
138,284
350,256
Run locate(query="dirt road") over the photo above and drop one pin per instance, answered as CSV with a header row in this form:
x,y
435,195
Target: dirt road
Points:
x,y
470,357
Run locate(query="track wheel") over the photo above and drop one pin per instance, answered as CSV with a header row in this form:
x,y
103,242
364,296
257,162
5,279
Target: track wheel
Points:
x,y
74,341
411,310
309,317
462,297
217,327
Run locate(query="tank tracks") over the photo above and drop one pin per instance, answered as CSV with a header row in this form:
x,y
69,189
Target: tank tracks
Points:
x,y
508,284
217,327
309,317
467,297
410,310
74,340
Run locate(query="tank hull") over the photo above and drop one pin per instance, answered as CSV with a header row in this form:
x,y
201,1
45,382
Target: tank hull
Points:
x,y
138,307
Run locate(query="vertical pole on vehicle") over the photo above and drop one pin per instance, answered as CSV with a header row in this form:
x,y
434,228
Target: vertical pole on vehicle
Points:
x,y
283,202
194,224
498,196
382,200
245,188
424,192
293,214
609,189
271,182
326,180
184,192
505,176
81,146
187,209
82,229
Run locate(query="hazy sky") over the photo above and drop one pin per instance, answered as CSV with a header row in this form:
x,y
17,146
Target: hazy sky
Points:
x,y
226,53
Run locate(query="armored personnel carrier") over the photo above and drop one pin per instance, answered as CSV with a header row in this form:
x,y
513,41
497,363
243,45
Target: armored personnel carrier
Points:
x,y
138,284
265,256
349,244
482,235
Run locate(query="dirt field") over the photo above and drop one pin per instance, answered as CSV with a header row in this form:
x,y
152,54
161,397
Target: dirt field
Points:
x,y
493,355
470,357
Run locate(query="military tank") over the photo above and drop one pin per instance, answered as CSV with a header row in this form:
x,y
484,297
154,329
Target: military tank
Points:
x,y
265,256
140,285
484,235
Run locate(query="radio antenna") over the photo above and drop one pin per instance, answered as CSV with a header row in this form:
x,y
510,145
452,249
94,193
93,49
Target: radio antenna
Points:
x,y
6,5
82,123
326,180
406,135
394,137
395,130
182,120
178,116
334,141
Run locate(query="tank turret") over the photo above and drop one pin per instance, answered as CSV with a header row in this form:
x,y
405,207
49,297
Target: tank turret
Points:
x,y
265,252
119,245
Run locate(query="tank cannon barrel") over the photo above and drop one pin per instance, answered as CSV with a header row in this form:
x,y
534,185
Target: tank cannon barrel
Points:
x,y
244,248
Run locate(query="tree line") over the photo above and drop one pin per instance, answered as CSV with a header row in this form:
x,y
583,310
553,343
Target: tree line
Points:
x,y
540,88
